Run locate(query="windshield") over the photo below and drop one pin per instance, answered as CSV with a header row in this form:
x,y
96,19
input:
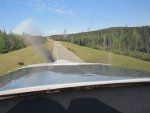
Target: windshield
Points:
x,y
47,42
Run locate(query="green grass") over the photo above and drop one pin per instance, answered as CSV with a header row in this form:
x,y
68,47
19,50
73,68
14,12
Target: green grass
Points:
x,y
97,56
28,55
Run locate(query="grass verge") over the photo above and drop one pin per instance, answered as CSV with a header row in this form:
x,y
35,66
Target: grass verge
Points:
x,y
98,56
28,55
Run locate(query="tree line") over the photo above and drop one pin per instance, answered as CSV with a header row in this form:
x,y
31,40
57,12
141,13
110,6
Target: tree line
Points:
x,y
131,41
10,42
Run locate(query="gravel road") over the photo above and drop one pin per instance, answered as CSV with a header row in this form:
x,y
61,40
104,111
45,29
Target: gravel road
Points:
x,y
62,53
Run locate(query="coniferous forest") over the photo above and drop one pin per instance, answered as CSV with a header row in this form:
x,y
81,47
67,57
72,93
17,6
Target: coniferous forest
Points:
x,y
130,41
10,42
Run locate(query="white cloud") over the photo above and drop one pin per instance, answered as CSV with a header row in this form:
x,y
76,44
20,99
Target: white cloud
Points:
x,y
55,6
53,32
48,32
62,11
26,26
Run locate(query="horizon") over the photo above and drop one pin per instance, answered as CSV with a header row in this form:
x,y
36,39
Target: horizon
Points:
x,y
3,30
100,29
51,17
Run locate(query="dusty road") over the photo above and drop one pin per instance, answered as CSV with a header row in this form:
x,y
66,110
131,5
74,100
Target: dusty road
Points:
x,y
61,53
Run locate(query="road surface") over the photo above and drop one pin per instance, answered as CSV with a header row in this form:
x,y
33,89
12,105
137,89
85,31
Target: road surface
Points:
x,y
61,53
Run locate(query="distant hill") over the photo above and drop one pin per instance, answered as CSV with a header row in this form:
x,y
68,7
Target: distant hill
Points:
x,y
131,41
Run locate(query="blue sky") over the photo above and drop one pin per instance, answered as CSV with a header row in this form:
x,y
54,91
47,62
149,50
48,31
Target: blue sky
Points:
x,y
48,17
